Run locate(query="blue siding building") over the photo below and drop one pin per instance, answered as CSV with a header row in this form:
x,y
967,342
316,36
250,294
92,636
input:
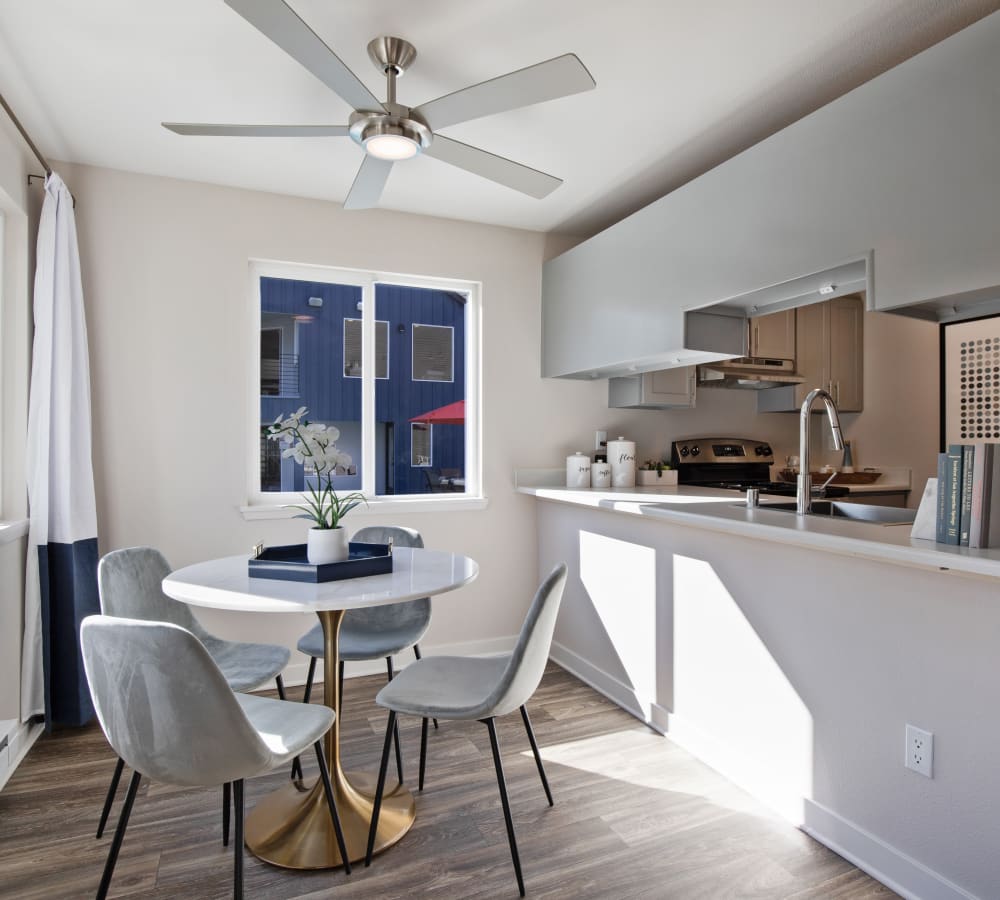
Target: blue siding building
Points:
x,y
310,356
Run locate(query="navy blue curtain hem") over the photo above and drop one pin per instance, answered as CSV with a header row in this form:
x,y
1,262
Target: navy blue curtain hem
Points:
x,y
67,575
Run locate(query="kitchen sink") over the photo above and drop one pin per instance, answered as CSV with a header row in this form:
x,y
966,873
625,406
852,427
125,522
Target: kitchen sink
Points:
x,y
859,512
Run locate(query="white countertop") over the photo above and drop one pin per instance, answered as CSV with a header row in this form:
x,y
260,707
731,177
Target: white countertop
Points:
x,y
722,511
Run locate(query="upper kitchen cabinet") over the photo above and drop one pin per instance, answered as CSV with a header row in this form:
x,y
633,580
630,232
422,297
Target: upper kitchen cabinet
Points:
x,y
901,170
665,389
773,336
829,341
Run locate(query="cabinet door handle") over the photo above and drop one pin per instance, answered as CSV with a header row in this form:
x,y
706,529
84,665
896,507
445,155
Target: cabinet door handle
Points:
x,y
837,394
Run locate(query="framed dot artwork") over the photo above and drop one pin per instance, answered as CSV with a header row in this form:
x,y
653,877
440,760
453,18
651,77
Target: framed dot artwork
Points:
x,y
970,381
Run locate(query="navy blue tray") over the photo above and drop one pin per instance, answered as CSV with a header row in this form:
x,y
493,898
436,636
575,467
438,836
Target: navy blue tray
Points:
x,y
289,563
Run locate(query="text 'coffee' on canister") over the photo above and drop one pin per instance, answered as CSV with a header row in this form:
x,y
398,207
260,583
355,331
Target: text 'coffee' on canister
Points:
x,y
578,470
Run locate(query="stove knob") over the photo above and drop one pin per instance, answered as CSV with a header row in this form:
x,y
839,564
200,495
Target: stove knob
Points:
x,y
684,451
766,450
695,450
759,450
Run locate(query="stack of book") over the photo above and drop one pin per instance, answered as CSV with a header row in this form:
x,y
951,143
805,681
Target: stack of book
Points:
x,y
968,512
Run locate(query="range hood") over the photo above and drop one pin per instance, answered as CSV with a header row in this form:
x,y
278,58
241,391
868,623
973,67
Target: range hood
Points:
x,y
751,373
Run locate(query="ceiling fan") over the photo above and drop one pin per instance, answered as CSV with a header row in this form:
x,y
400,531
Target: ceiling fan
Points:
x,y
389,131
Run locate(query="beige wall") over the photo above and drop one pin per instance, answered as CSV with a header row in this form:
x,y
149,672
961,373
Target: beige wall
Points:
x,y
165,276
15,346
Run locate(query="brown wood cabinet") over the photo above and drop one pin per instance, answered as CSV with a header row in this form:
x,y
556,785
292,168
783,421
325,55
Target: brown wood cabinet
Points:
x,y
829,354
773,336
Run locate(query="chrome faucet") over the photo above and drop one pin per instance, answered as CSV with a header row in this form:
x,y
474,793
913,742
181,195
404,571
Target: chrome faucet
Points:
x,y
803,493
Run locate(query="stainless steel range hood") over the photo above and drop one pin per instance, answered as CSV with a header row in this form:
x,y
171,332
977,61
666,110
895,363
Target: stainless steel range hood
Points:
x,y
749,373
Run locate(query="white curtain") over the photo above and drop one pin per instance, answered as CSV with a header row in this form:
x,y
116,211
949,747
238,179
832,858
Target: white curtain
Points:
x,y
61,586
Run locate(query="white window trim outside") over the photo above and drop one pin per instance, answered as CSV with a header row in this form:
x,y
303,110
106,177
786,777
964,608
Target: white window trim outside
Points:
x,y
430,445
388,348
413,353
273,505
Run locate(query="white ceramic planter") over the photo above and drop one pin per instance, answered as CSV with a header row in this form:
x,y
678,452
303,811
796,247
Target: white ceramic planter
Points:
x,y
327,545
649,478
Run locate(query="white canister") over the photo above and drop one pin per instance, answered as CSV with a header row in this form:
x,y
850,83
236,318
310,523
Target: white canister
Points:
x,y
621,456
600,475
578,470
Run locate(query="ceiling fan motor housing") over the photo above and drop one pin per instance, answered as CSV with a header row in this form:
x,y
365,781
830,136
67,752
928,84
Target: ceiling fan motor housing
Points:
x,y
392,56
398,121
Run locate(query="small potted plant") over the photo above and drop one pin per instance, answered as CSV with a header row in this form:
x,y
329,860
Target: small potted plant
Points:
x,y
314,446
655,473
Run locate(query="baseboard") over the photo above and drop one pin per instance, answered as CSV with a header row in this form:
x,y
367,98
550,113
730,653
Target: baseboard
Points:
x,y
903,874
296,671
612,688
19,741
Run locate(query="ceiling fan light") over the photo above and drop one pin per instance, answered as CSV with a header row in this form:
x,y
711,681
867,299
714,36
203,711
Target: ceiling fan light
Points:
x,y
391,146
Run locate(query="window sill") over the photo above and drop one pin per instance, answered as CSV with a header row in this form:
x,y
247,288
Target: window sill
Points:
x,y
11,531
377,506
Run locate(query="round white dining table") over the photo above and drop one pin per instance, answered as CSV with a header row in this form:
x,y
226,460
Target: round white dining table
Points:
x,y
291,827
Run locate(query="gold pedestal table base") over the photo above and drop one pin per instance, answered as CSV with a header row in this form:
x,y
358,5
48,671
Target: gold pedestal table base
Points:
x,y
292,827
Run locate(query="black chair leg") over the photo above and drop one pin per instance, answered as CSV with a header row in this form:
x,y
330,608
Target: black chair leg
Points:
x,y
238,849
502,784
226,803
399,755
380,787
534,749
324,774
116,843
296,763
307,694
112,790
423,752
416,653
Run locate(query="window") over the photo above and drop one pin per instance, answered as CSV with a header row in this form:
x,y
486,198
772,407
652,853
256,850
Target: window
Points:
x,y
352,349
432,352
420,444
390,361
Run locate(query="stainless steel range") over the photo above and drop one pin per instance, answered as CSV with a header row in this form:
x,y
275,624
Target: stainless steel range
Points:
x,y
734,463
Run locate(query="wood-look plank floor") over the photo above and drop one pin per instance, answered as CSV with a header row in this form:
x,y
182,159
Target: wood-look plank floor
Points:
x,y
635,817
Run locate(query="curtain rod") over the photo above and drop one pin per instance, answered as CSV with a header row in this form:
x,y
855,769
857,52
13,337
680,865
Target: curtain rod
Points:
x,y
24,134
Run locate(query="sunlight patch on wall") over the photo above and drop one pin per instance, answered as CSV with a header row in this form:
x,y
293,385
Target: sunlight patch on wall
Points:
x,y
728,685
620,579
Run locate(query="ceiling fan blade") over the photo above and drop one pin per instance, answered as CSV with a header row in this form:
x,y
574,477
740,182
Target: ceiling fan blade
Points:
x,y
495,168
257,130
543,81
368,183
277,21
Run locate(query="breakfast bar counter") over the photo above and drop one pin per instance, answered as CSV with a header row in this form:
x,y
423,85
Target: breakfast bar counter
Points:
x,y
716,510
789,653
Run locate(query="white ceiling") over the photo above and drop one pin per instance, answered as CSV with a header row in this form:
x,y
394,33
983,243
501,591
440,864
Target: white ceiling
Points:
x,y
681,86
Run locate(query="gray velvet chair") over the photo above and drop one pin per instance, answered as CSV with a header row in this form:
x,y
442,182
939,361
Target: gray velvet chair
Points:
x,y
129,584
378,632
480,688
167,710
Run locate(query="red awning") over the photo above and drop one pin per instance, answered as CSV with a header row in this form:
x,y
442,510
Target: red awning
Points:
x,y
452,414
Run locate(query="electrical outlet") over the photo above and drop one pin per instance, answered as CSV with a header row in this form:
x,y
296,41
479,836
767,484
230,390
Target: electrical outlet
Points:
x,y
919,751
600,440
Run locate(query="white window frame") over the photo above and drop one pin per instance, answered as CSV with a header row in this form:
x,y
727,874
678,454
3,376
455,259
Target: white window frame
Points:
x,y
413,353
430,445
273,504
388,345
